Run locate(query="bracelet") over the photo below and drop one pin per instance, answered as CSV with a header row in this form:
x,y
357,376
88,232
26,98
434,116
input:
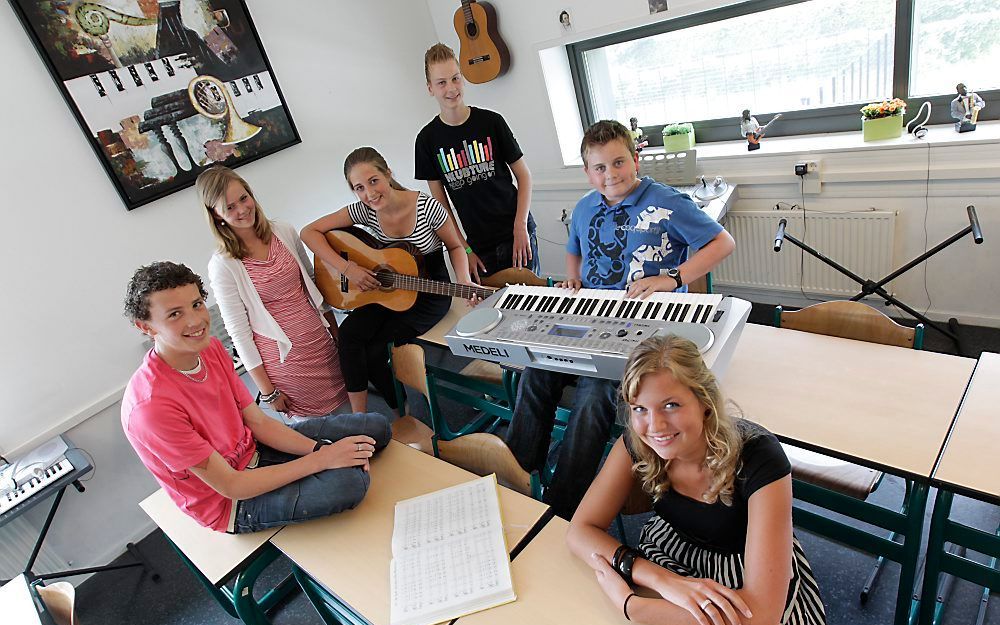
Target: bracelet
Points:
x,y
468,249
347,267
625,562
321,442
625,606
273,395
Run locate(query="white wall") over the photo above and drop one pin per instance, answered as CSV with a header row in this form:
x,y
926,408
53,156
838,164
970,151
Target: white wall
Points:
x,y
351,73
961,281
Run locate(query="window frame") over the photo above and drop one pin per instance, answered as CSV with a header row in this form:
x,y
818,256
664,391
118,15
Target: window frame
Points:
x,y
811,121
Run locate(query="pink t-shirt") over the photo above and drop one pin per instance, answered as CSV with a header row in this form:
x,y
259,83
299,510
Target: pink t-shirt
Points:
x,y
174,423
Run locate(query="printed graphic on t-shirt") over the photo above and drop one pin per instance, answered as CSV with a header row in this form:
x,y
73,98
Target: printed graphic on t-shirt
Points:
x,y
607,263
473,163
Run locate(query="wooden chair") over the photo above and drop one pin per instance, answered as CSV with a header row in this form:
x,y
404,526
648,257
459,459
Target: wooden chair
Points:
x,y
480,452
860,322
59,599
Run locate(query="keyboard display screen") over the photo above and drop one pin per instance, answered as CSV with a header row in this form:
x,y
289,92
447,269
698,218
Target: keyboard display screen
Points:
x,y
574,332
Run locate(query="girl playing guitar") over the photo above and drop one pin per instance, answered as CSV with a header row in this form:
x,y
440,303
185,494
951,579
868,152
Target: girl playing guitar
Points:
x,y
393,214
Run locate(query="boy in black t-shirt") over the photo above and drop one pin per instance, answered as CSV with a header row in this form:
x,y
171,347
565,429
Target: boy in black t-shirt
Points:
x,y
473,153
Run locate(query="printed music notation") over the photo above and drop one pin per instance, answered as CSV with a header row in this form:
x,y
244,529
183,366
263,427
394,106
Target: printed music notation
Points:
x,y
449,555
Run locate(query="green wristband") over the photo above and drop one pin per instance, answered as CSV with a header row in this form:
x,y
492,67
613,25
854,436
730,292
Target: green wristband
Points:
x,y
468,249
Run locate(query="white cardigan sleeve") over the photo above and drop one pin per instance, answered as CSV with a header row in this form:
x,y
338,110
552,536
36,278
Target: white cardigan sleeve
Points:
x,y
233,310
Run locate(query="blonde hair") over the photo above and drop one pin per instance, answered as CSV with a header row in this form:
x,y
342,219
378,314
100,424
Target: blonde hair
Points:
x,y
372,157
438,53
604,132
680,357
211,187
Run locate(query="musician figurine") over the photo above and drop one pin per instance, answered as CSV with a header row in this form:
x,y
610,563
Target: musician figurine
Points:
x,y
752,130
965,108
640,139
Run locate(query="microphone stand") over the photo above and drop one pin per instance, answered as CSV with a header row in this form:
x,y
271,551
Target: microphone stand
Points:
x,y
871,287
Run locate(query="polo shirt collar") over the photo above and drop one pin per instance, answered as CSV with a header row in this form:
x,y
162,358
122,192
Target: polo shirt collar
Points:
x,y
630,200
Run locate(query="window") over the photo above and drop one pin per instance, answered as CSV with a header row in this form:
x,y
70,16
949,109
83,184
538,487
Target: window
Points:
x,y
816,61
954,41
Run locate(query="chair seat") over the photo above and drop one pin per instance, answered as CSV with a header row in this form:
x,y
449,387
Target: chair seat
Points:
x,y
483,454
837,475
488,372
413,432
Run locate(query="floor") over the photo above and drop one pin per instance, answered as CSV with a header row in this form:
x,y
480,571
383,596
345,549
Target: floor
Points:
x,y
177,599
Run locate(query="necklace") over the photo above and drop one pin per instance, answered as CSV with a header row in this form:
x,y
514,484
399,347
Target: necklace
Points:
x,y
190,373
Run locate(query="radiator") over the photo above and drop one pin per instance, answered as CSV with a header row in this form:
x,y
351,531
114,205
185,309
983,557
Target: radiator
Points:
x,y
860,241
18,538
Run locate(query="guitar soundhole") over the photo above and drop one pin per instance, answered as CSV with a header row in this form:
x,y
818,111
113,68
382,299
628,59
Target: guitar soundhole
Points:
x,y
472,30
385,279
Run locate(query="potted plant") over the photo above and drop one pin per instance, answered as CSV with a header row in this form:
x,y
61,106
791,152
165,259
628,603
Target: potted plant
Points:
x,y
883,120
678,137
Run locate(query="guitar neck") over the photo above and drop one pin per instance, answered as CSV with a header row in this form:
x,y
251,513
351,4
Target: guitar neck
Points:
x,y
467,10
437,287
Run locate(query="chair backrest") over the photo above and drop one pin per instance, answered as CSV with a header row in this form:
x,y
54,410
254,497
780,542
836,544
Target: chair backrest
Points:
x,y
638,501
59,598
514,276
482,454
410,366
850,320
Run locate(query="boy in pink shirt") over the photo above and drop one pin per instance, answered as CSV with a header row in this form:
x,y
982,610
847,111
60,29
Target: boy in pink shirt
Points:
x,y
195,426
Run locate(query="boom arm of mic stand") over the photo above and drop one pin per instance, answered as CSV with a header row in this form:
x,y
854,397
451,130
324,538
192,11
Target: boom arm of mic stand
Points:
x,y
977,232
779,237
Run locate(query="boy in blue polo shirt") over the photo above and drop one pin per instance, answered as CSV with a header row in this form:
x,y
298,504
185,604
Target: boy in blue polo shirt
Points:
x,y
628,233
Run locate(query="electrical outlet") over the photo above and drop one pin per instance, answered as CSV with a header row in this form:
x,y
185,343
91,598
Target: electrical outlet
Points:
x,y
812,167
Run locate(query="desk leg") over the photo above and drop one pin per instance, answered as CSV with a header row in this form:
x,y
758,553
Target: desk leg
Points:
x,y
911,552
935,547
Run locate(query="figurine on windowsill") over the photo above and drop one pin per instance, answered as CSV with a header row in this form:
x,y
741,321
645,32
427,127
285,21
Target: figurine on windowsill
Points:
x,y
752,130
640,139
965,108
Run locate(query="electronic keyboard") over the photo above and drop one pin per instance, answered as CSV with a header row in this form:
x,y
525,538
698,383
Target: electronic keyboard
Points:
x,y
592,331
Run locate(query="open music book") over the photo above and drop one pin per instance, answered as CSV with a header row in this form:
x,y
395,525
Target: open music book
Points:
x,y
449,555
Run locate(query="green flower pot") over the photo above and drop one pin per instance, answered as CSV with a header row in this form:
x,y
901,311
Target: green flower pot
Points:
x,y
679,143
882,128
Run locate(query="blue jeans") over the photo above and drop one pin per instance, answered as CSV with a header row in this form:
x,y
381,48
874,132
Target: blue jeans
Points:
x,y
320,494
587,433
501,256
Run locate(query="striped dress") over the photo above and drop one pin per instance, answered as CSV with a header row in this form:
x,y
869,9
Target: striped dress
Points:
x,y
698,539
310,377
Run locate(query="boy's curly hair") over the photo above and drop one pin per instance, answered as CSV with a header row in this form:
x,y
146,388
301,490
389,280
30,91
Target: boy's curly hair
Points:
x,y
158,276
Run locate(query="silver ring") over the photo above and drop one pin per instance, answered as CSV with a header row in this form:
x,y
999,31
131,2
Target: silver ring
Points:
x,y
359,446
704,604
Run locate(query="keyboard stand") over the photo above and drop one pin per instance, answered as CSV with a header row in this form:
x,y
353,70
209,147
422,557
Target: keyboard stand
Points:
x,y
871,287
81,466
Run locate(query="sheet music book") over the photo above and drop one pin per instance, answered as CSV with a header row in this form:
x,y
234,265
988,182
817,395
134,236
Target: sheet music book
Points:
x,y
450,556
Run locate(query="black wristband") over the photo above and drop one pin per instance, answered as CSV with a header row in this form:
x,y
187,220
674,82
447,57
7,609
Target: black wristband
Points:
x,y
320,442
625,564
625,607
616,558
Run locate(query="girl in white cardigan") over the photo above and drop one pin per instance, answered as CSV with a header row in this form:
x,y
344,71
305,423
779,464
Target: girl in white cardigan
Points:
x,y
263,282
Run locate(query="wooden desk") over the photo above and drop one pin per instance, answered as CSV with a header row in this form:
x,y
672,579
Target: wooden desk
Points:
x,y
216,554
969,461
885,407
435,336
552,586
349,552
969,465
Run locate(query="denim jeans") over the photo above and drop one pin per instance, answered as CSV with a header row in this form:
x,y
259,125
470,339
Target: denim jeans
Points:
x,y
501,256
320,494
593,414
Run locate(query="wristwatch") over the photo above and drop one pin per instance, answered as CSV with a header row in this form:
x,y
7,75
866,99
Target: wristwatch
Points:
x,y
676,275
320,442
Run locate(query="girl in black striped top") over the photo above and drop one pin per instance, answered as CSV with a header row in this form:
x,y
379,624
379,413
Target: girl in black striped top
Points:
x,y
392,214
719,548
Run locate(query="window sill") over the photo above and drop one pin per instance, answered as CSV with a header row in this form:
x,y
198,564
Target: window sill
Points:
x,y
941,135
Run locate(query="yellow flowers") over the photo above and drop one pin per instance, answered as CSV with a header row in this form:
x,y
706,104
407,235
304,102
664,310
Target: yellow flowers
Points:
x,y
886,108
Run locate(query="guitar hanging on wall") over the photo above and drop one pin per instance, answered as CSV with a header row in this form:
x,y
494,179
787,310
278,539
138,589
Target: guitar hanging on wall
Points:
x,y
482,55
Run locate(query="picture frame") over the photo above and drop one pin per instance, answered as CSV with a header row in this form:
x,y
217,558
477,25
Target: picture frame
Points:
x,y
162,89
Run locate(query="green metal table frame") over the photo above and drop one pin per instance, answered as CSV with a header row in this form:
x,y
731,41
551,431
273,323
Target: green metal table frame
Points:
x,y
939,560
239,601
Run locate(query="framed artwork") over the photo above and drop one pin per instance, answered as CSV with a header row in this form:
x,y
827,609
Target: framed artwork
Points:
x,y
162,88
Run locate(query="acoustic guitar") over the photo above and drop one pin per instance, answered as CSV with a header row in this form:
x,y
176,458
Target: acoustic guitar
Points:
x,y
482,55
398,267
754,137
